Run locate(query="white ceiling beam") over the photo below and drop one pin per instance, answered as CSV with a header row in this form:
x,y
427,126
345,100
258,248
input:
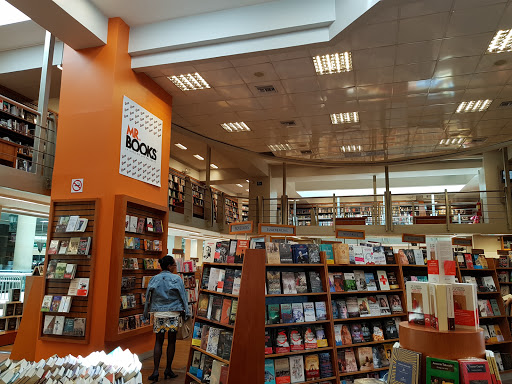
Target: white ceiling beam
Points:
x,y
24,59
78,23
348,11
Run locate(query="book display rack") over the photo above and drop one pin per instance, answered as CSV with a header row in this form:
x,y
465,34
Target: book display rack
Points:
x,y
139,241
69,271
187,271
176,191
245,210
232,214
229,327
198,192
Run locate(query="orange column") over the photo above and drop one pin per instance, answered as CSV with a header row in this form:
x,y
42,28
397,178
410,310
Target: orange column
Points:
x,y
94,81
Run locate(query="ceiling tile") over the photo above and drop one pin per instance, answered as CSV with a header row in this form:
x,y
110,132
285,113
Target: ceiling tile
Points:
x,y
295,68
274,101
374,57
382,12
346,106
337,80
403,101
420,8
375,35
486,79
311,121
238,91
265,71
303,84
288,54
456,66
190,97
482,93
495,62
418,52
374,76
374,91
420,86
203,108
461,4
312,110
445,97
422,28
465,45
315,97
333,95
243,60
412,72
506,92
507,16
244,104
212,65
276,84
475,20
222,77
449,83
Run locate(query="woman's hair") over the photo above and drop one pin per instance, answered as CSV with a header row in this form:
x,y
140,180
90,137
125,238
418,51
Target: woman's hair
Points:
x,y
166,262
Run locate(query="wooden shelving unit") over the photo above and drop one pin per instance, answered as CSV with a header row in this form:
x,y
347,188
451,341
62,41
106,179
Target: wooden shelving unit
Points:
x,y
125,205
176,191
232,214
198,198
81,306
244,215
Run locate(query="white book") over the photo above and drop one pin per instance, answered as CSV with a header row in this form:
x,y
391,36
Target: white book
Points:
x,y
337,334
213,340
374,306
59,325
209,251
213,279
418,302
288,280
127,223
73,223
297,369
382,278
368,255
418,257
133,224
215,373
309,311
358,254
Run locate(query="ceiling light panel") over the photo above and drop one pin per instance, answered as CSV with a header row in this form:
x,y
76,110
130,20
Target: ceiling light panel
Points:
x,y
240,185
198,157
452,141
351,148
501,42
333,63
280,147
189,82
213,166
473,106
235,127
347,117
180,146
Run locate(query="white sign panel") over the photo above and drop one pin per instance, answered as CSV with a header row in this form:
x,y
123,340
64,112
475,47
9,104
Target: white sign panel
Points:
x,y
77,185
141,144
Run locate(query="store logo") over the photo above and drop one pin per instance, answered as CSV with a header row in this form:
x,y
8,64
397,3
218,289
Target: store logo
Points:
x,y
133,142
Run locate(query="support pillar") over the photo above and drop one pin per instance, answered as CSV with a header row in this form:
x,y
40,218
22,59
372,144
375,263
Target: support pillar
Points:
x,y
24,246
493,209
508,187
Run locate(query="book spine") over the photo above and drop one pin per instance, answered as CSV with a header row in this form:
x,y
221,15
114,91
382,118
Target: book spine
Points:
x,y
450,307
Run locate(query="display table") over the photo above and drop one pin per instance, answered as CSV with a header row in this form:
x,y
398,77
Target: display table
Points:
x,y
451,345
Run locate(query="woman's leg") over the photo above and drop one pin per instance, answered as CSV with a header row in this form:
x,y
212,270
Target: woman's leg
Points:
x,y
157,353
171,348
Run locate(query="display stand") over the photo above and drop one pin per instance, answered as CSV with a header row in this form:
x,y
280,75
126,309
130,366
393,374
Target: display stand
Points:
x,y
247,361
450,345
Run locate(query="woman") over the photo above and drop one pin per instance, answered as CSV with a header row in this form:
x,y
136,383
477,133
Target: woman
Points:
x,y
166,298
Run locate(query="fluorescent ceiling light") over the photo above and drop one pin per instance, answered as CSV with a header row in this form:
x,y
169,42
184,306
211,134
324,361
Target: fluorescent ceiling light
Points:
x,y
24,211
198,157
189,82
452,141
247,180
394,190
347,117
180,146
213,166
24,201
333,63
280,147
501,42
351,148
240,185
10,14
235,127
473,106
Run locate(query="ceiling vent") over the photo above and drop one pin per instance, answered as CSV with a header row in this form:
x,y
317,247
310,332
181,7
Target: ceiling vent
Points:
x,y
288,123
266,89
505,104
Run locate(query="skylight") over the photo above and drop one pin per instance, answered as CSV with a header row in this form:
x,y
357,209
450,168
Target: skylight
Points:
x,y
394,190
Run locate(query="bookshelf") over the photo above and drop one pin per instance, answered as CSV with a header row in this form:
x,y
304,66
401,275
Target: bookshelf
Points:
x,y
246,346
303,215
176,191
244,214
131,267
187,271
81,306
232,214
12,312
198,197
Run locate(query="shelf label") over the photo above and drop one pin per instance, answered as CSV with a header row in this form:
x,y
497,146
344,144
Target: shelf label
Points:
x,y
411,238
241,227
350,234
276,229
464,241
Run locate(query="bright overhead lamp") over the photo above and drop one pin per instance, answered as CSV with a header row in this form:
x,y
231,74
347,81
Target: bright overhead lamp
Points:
x,y
240,185
189,82
333,63
235,127
180,146
501,42
452,141
198,157
347,117
247,180
351,148
473,106
280,147
247,190
213,166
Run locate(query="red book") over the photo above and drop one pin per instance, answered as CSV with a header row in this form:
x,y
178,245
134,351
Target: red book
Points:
x,y
474,370
469,260
223,379
226,311
282,344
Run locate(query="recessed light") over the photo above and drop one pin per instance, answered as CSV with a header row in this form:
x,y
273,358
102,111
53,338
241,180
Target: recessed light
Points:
x,y
501,42
452,141
180,146
240,185
235,127
213,166
473,106
351,148
189,82
333,63
247,190
198,157
247,180
280,147
347,117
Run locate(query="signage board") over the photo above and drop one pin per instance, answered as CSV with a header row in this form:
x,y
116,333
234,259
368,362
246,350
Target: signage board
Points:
x,y
240,227
412,238
350,234
276,229
464,241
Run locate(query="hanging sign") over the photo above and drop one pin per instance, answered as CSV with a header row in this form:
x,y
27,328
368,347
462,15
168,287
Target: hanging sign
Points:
x,y
350,234
240,228
276,229
141,144
464,241
411,238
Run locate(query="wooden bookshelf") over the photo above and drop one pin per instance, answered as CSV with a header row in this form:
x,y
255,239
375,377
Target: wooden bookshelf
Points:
x,y
231,206
250,316
125,205
81,306
176,191
198,198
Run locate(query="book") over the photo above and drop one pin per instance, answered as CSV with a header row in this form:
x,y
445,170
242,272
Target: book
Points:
x,y
196,334
383,305
285,253
349,283
274,316
365,358
63,247
73,245
79,287
312,365
325,365
69,272
270,375
341,308
296,369
58,327
213,340
404,366
300,253
232,251
54,247
229,279
216,308
418,303
495,307
296,339
352,306
396,304
329,254
286,313
269,348
226,311
341,253
272,252
297,313
346,337
474,371
309,338
356,333
282,370
309,311
443,307
315,282
72,223
321,339
465,306
314,253
321,311
49,323
55,304
60,269
360,280
301,282
364,309
337,334
84,246
47,302
374,306
488,284
273,282
382,278
237,279
281,341
288,279
338,280
371,285
62,224
350,360
377,331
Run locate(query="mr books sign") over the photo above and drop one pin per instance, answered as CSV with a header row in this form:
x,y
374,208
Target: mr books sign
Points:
x,y
141,144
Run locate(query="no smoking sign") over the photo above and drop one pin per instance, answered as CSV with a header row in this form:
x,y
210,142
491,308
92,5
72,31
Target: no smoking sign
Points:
x,y
77,185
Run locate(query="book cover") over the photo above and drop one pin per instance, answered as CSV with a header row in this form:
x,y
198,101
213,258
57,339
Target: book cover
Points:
x,y
297,369
418,303
296,339
209,251
404,367
325,365
315,282
288,279
237,279
69,326
321,310
321,339
495,307
301,282
366,332
312,365
383,305
346,337
300,253
202,305
286,313
341,306
54,247
47,303
270,376
352,306
285,253
379,255
213,340
55,303
309,338
226,311
60,269
230,258
350,360
396,304
314,253
50,270
339,282
474,371
282,370
269,346
220,281
309,311
196,334
62,225
241,247
204,336
442,371
382,278
229,279
337,335
49,323
349,283
364,309
356,333
273,282
216,311
341,253
374,306
488,284
297,312
272,251
72,223
329,254
360,280
390,329
73,245
418,257
402,257
465,306
281,342
371,285
274,316
84,246
368,255
377,331
141,224
69,272
58,328
133,224
63,247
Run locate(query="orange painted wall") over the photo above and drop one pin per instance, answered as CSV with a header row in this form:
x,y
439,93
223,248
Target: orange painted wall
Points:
x,y
94,82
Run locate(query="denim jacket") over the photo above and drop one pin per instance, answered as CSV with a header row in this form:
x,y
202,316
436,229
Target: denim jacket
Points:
x,y
166,292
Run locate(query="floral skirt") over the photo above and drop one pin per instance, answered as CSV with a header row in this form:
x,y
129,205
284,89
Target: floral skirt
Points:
x,y
166,321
